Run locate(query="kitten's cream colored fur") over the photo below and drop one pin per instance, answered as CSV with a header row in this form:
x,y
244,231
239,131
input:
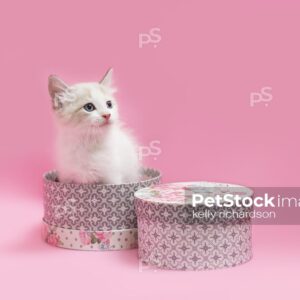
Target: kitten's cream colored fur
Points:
x,y
92,146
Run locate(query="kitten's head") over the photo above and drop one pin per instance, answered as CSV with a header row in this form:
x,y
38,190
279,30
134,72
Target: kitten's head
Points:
x,y
87,106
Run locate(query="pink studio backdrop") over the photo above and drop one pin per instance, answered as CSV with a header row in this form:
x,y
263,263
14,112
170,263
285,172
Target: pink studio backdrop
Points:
x,y
190,91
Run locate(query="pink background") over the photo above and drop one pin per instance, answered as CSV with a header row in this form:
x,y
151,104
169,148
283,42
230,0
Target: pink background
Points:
x,y
191,93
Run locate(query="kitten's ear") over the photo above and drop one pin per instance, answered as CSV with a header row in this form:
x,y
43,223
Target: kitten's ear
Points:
x,y
107,78
56,85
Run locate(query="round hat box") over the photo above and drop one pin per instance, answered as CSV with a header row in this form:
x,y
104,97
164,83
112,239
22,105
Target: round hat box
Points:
x,y
171,237
92,216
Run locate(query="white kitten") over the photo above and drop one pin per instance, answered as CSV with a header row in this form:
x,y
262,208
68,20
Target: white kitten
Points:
x,y
92,145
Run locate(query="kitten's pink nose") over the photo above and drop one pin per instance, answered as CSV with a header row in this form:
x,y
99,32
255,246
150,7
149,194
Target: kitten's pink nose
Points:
x,y
106,116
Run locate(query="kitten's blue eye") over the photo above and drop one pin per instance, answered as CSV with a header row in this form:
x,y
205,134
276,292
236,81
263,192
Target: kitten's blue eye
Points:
x,y
109,104
89,107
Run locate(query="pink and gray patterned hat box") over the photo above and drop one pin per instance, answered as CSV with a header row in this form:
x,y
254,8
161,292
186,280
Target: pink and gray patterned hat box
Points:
x,y
92,216
170,238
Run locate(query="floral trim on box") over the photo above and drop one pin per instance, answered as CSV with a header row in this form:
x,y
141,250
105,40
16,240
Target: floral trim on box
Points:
x,y
89,240
176,193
